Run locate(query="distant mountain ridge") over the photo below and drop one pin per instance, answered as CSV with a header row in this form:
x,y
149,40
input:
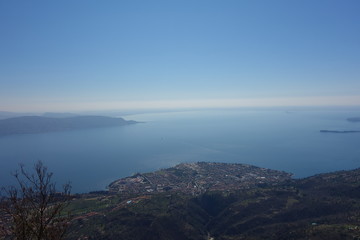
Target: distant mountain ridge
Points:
x,y
6,114
59,115
37,124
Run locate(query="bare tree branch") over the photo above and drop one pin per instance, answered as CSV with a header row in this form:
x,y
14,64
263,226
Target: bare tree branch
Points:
x,y
34,210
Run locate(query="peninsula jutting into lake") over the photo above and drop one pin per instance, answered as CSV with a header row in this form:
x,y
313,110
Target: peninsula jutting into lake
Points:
x,y
226,201
37,124
196,178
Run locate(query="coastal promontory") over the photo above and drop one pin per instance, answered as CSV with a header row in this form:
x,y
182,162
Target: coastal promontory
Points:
x,y
37,124
196,178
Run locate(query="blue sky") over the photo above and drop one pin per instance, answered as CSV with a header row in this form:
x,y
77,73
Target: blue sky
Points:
x,y
100,55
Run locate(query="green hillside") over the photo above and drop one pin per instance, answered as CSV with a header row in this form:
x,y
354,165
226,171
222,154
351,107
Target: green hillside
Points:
x,y
325,206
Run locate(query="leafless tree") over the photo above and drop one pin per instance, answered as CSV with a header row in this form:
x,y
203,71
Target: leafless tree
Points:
x,y
34,210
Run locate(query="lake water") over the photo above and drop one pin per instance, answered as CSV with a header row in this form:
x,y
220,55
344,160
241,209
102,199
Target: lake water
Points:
x,y
276,139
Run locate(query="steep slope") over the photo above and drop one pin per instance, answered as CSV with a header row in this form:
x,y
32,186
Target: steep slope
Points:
x,y
325,206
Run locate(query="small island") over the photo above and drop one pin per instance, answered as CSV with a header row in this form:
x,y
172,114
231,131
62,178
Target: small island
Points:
x,y
37,124
336,131
354,119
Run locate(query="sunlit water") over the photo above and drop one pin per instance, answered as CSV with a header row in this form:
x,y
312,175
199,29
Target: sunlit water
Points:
x,y
276,139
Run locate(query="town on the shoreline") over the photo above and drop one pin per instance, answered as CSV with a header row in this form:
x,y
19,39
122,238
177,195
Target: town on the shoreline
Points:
x,y
197,178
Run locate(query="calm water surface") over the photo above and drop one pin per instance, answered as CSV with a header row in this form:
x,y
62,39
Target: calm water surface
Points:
x,y
282,140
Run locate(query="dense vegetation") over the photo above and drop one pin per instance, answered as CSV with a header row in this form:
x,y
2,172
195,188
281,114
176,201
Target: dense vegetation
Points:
x,y
325,206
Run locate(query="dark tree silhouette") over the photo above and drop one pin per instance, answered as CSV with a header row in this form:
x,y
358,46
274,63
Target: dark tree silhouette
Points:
x,y
34,210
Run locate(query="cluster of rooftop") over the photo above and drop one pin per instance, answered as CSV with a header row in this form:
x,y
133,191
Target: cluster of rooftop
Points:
x,y
196,178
